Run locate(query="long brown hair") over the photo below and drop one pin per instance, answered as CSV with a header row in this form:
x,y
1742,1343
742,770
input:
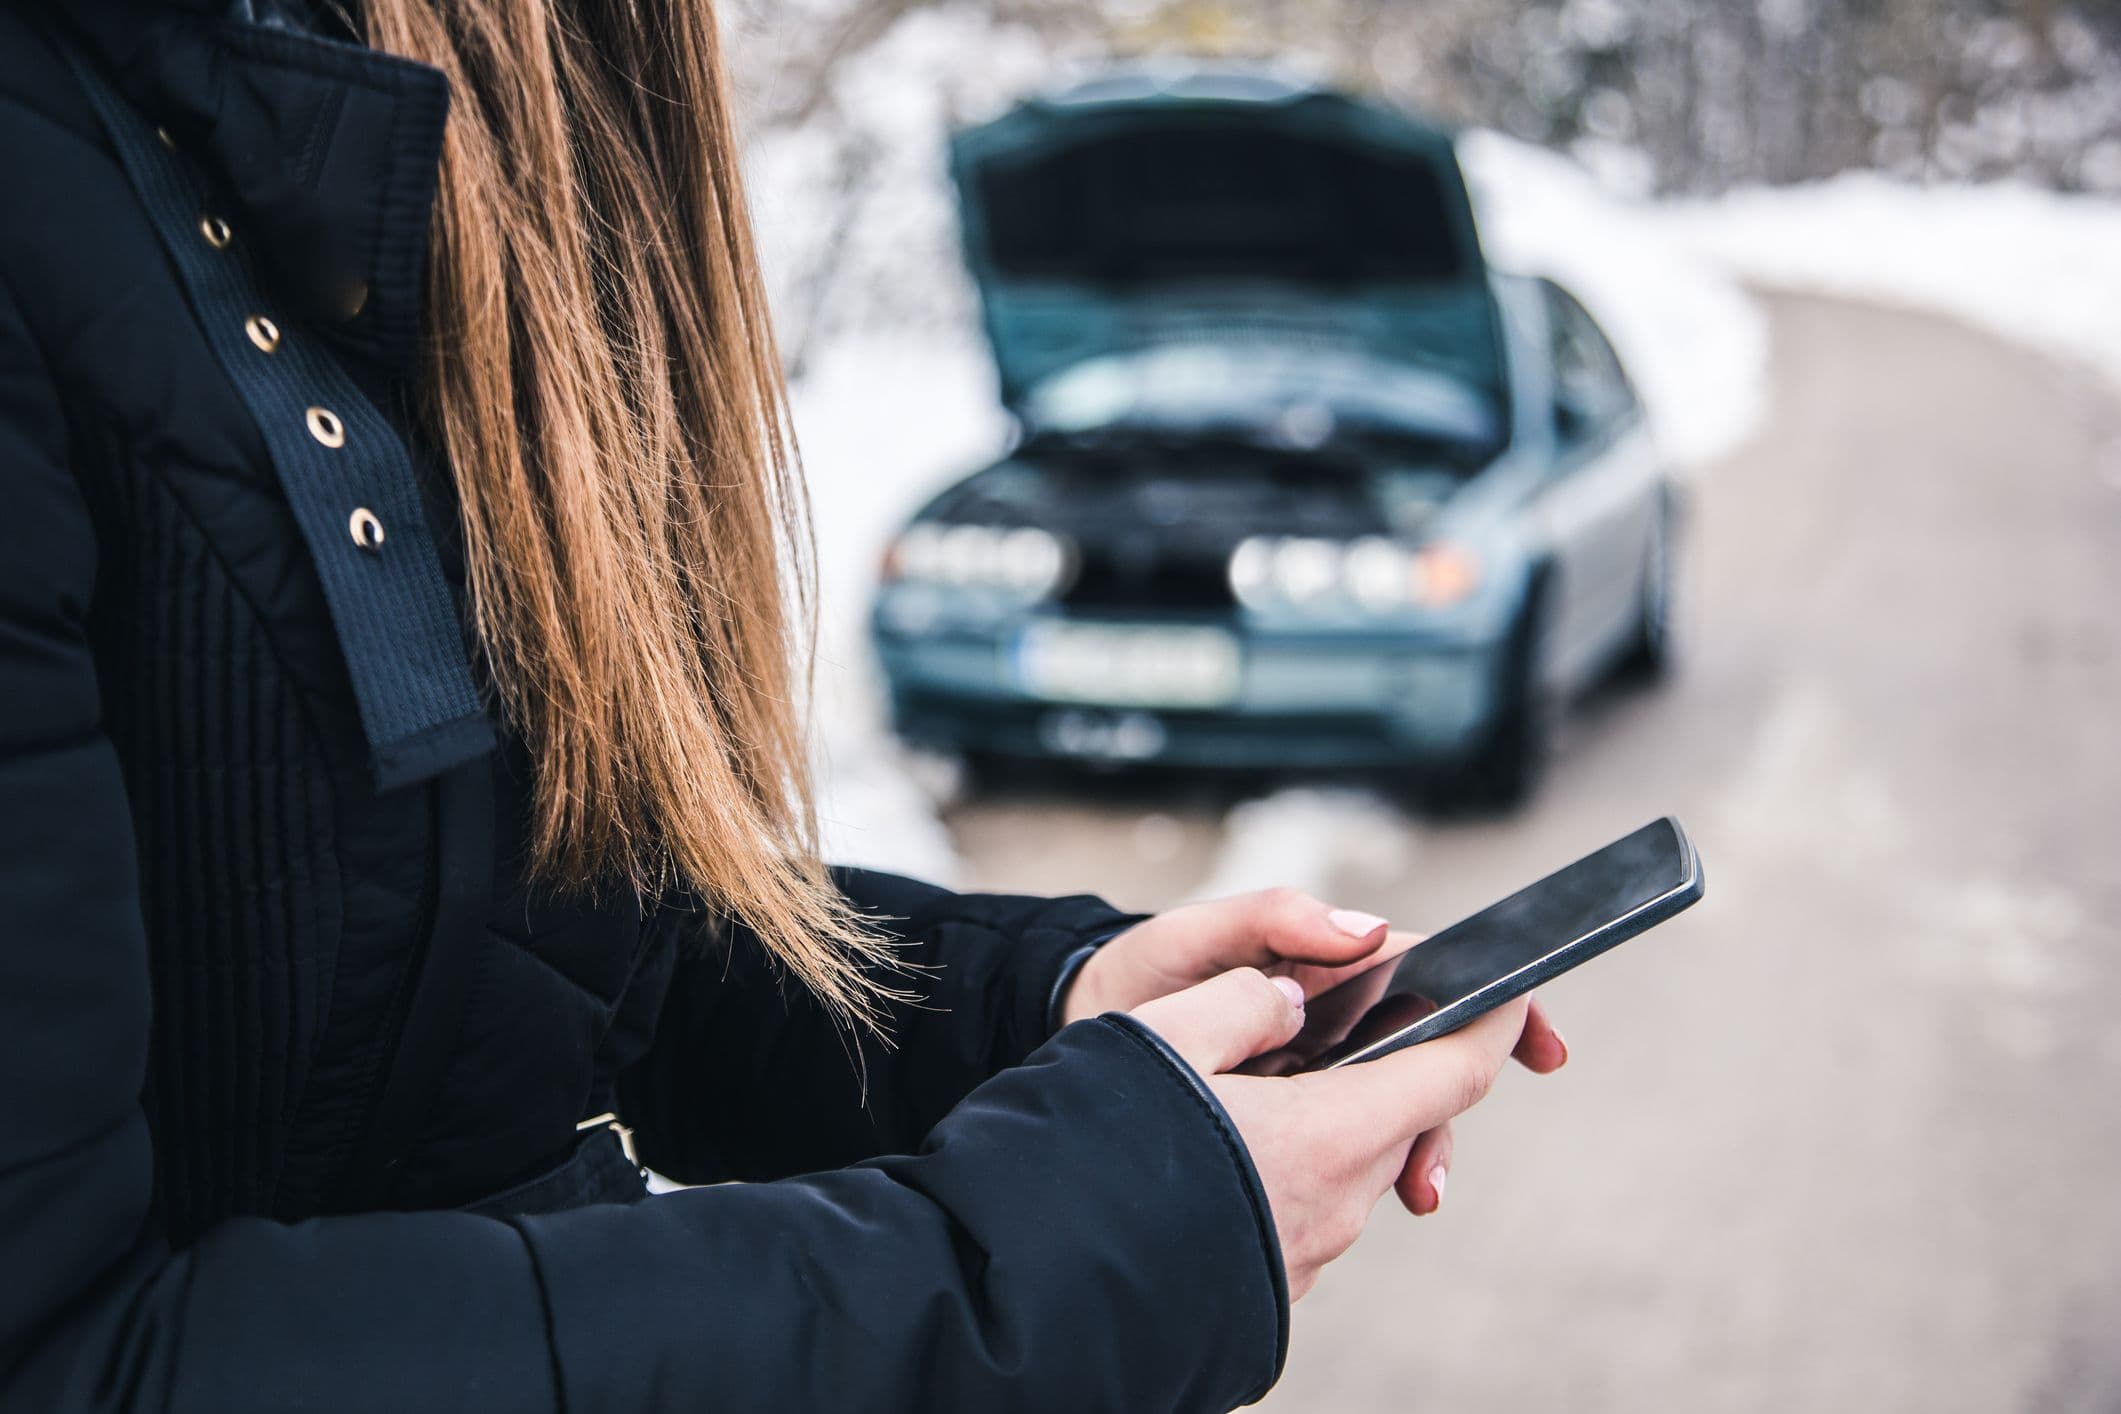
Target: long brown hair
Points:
x,y
604,381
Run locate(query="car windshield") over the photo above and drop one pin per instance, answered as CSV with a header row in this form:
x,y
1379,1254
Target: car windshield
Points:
x,y
1298,397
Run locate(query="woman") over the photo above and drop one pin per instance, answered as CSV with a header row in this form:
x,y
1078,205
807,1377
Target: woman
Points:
x,y
398,782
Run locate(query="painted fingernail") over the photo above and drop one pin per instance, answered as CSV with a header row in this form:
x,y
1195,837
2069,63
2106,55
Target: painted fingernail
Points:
x,y
1354,923
1436,1180
1293,990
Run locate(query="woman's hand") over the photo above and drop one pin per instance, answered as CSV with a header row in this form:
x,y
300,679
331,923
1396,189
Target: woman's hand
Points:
x,y
1329,1144
1281,931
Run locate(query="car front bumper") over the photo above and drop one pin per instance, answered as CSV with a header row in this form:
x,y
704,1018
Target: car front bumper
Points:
x,y
1319,701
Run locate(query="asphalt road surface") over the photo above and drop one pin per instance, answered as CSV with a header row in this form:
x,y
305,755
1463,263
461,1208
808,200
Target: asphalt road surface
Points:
x,y
1847,1136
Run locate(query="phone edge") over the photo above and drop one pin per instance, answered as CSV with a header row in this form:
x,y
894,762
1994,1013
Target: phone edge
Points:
x,y
1632,924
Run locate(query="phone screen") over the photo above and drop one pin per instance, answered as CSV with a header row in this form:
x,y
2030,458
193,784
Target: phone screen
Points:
x,y
1500,952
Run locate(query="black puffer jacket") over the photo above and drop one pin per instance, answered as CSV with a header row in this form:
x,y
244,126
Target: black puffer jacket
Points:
x,y
293,1060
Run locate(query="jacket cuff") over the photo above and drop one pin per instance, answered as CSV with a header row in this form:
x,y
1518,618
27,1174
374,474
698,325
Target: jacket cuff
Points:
x,y
1071,965
1084,1231
1050,950
1248,1176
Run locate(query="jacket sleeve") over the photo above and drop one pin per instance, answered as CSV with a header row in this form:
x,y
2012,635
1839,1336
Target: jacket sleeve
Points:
x,y
747,1078
1082,1233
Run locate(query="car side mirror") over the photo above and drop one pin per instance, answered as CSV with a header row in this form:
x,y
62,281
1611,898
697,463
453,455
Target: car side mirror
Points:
x,y
1571,423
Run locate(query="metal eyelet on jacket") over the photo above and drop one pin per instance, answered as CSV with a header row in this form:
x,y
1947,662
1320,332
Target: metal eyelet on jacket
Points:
x,y
394,620
367,531
324,425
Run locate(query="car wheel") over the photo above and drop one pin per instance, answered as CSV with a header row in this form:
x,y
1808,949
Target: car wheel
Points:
x,y
1653,652
1512,759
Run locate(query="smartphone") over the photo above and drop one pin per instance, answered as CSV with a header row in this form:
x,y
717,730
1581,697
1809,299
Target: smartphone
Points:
x,y
1503,951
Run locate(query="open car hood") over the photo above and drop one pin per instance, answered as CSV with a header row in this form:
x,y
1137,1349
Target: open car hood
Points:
x,y
1146,210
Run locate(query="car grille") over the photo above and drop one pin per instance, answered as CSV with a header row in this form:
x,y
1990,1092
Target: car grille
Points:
x,y
1145,575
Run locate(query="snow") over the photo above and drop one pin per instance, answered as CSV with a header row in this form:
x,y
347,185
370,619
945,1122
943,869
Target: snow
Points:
x,y
883,425
887,417
2037,267
1692,339
1309,839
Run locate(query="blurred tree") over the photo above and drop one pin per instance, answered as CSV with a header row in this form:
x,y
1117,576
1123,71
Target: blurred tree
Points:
x,y
1689,96
1709,92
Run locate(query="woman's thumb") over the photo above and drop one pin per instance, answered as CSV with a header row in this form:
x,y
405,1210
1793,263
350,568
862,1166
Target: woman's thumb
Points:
x,y
1228,1019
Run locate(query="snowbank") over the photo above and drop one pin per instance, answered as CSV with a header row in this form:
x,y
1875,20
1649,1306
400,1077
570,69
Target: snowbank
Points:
x,y
1694,342
883,425
1309,839
2037,267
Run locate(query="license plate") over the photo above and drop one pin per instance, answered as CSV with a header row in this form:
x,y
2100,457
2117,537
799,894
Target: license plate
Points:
x,y
1128,665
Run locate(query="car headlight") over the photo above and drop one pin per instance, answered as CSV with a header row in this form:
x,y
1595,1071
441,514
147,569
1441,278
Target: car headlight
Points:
x,y
1033,563
1305,571
1251,572
1377,574
1373,574
915,555
1448,573
1022,561
967,554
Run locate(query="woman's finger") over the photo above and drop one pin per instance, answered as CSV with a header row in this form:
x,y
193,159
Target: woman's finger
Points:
x,y
1421,1181
1319,978
1540,1049
1281,926
1226,1020
1408,1092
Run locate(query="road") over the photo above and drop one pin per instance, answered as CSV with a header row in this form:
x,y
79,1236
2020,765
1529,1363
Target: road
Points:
x,y
1848,1135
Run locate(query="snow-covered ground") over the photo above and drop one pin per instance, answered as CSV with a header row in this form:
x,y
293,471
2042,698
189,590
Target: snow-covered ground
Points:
x,y
1694,341
885,420
883,425
2036,267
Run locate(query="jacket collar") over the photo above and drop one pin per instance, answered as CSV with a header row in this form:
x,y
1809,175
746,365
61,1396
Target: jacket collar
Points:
x,y
327,151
